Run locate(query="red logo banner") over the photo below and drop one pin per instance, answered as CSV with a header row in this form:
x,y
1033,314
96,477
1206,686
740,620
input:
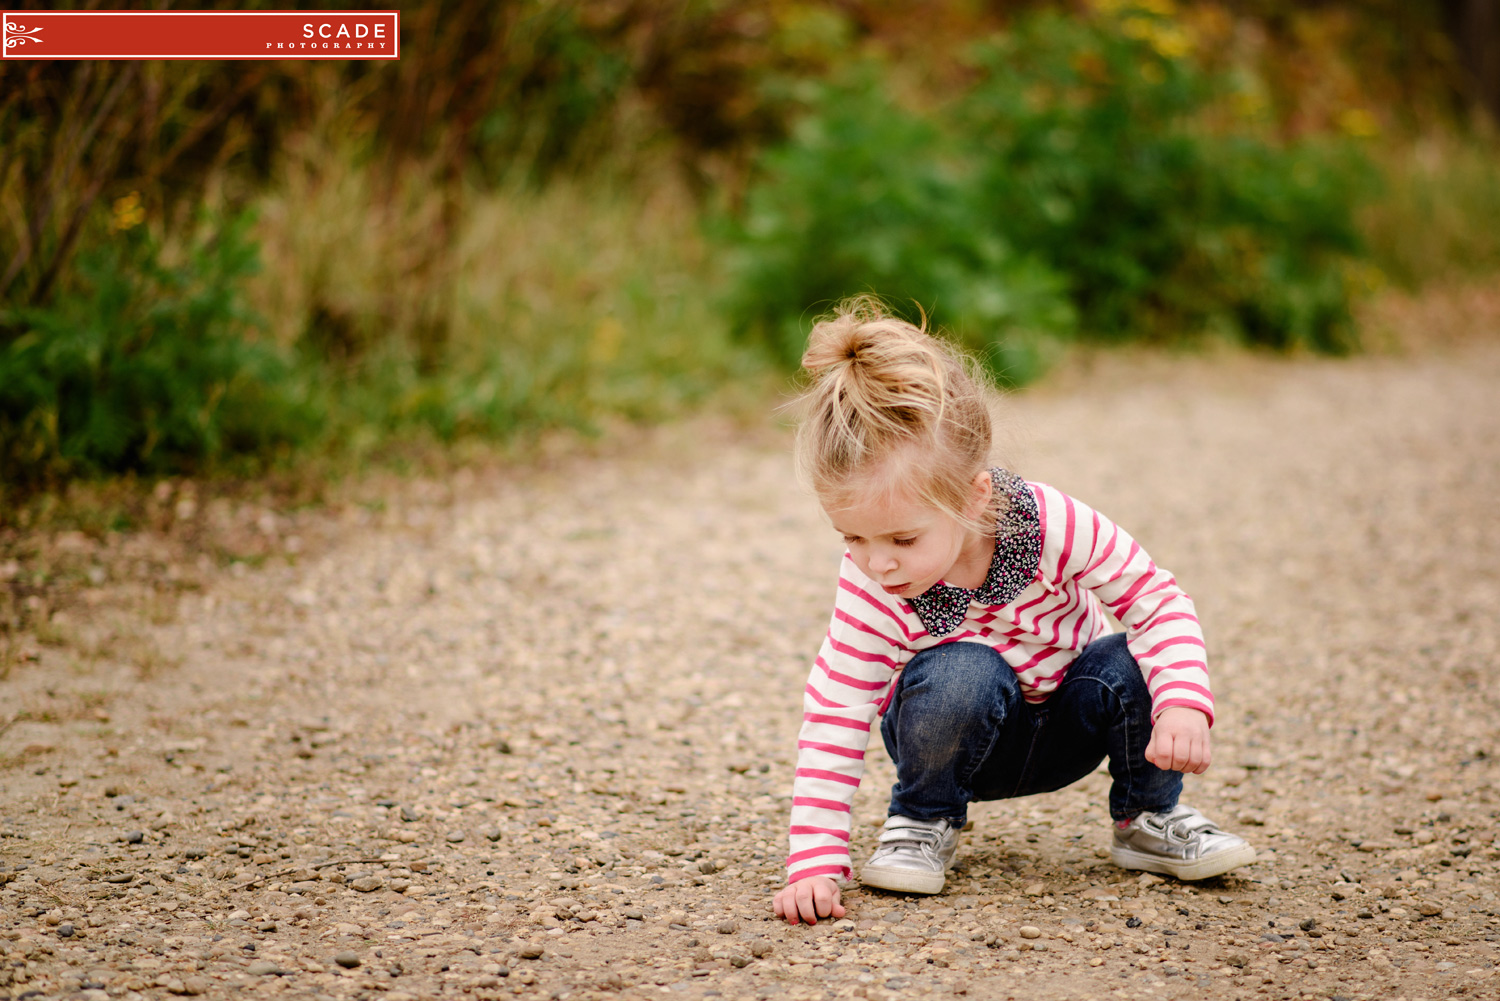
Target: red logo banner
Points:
x,y
199,34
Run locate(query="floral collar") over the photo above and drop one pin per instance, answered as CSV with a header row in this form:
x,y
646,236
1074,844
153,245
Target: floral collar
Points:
x,y
1018,551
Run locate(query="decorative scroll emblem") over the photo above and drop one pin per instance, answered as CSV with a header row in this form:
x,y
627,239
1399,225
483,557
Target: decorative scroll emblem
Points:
x,y
19,34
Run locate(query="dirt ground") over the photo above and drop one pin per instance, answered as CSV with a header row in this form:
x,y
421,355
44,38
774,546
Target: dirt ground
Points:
x,y
531,734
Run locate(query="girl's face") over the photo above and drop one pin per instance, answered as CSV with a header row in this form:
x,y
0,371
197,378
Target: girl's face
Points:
x,y
906,547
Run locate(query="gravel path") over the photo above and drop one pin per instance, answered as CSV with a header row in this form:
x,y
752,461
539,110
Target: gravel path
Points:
x,y
532,734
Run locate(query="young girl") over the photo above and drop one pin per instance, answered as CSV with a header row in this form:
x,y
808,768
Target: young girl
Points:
x,y
970,625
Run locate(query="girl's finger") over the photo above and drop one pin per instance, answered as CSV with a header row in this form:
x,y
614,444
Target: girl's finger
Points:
x,y
1167,754
807,906
789,905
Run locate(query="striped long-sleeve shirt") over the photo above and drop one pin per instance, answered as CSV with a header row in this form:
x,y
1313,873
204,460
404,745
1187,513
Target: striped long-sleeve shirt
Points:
x,y
1055,607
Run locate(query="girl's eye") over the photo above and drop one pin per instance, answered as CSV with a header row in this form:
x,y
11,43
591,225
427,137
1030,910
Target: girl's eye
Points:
x,y
850,540
906,542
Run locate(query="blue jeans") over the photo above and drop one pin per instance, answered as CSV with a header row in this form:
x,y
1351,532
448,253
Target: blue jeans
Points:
x,y
959,731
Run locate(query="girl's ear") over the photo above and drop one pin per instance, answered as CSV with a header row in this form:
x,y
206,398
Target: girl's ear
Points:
x,y
980,490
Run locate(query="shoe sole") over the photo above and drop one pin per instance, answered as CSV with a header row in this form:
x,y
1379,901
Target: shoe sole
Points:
x,y
1214,865
903,880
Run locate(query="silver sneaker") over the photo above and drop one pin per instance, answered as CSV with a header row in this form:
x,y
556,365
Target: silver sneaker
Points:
x,y
1181,842
913,856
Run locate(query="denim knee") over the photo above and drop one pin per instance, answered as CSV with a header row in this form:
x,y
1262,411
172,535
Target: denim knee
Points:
x,y
1109,663
950,699
1106,692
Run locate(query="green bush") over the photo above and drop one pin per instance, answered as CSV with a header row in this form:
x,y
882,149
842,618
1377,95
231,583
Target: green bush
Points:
x,y
1099,152
1085,181
865,197
144,366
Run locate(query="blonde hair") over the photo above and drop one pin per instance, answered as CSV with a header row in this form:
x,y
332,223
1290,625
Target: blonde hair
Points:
x,y
881,390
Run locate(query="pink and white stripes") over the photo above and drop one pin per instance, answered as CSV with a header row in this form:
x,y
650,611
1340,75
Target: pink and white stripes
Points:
x,y
1088,565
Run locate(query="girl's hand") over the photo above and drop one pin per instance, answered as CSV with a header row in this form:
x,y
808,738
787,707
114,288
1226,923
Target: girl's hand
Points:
x,y
809,899
1179,741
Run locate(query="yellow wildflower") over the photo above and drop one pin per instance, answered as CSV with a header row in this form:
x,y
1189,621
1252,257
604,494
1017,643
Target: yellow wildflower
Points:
x,y
1359,123
1171,42
128,213
1161,8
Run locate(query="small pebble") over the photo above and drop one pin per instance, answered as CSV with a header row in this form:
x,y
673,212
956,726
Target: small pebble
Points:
x,y
348,960
135,837
1030,931
532,952
455,837
409,815
65,931
262,968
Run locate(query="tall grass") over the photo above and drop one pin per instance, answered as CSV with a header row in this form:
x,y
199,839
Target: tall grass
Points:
x,y
1438,216
489,311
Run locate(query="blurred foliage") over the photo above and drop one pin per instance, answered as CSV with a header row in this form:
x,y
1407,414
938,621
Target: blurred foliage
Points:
x,y
1102,149
866,197
1438,216
145,365
1084,176
558,306
502,232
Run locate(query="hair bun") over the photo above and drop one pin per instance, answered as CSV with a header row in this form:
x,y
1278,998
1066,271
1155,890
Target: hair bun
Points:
x,y
835,342
879,386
